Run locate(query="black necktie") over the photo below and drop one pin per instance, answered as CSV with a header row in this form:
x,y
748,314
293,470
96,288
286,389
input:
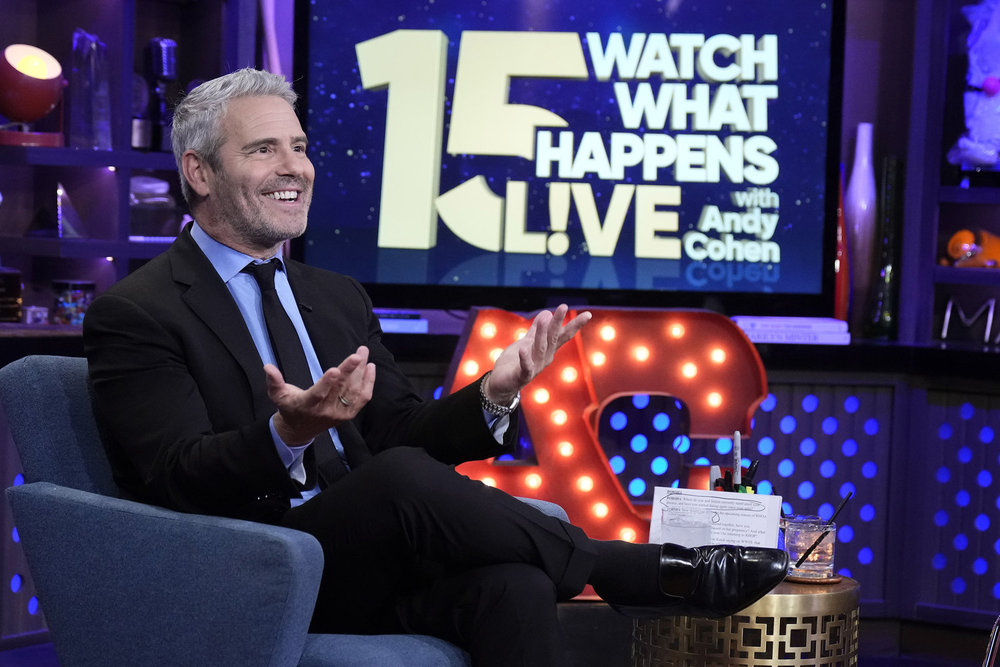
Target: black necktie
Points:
x,y
294,367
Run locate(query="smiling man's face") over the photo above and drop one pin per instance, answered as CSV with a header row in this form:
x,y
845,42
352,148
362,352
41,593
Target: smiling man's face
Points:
x,y
260,196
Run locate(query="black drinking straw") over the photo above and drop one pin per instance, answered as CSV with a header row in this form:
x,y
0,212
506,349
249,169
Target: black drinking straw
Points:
x,y
819,539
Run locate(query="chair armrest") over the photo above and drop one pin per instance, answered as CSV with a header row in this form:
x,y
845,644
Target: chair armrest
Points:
x,y
125,583
550,508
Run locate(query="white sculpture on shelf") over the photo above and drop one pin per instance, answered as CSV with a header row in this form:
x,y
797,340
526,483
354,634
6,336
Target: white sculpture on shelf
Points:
x,y
979,147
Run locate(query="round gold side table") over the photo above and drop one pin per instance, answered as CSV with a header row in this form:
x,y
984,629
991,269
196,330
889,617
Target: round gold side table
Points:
x,y
794,625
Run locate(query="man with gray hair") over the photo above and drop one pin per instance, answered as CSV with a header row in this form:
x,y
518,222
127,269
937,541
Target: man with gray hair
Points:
x,y
234,382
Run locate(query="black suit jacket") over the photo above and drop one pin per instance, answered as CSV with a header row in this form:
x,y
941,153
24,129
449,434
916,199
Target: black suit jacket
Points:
x,y
179,388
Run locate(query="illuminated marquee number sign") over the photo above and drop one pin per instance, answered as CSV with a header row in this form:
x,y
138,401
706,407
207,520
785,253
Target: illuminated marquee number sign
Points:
x,y
699,357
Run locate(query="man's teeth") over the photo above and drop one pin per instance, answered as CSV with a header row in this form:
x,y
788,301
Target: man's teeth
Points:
x,y
283,195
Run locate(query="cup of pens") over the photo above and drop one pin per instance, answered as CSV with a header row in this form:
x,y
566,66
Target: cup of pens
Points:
x,y
809,541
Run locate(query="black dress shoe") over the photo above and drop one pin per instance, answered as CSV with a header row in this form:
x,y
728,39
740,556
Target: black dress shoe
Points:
x,y
712,581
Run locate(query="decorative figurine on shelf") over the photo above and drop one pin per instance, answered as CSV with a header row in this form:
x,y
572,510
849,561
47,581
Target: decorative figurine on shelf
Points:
x,y
161,69
89,93
974,249
979,147
151,115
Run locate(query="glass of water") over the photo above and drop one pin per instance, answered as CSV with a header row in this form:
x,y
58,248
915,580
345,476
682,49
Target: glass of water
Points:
x,y
801,532
691,530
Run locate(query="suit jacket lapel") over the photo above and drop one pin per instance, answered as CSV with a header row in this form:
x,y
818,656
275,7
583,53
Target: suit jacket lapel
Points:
x,y
209,298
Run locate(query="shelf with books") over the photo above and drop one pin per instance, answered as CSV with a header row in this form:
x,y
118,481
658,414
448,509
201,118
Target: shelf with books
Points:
x,y
795,330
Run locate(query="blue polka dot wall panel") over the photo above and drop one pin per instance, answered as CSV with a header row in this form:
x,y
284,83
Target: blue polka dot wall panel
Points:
x,y
952,533
645,439
20,613
818,443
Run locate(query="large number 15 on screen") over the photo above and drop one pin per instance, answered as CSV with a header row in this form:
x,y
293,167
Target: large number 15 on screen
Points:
x,y
413,65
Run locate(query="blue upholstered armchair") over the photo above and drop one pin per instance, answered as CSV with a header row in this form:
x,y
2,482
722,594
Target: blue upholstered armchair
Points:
x,y
122,583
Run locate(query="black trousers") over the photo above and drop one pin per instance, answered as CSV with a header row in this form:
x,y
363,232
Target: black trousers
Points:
x,y
413,546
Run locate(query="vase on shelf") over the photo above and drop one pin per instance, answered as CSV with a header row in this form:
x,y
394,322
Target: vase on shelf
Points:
x,y
881,322
841,264
860,203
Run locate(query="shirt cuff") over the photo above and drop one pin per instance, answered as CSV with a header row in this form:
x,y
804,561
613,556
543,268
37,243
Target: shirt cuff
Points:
x,y
290,456
498,425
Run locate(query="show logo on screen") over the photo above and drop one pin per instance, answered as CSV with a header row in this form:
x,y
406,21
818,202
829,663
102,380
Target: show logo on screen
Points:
x,y
560,150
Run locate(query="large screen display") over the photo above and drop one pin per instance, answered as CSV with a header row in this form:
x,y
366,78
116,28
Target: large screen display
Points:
x,y
653,152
